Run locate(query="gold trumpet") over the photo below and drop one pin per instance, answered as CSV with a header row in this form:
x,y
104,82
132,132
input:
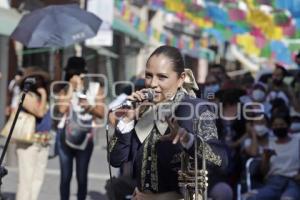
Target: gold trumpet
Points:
x,y
192,180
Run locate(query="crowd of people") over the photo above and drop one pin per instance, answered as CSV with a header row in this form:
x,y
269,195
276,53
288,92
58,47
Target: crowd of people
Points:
x,y
257,119
270,134
244,118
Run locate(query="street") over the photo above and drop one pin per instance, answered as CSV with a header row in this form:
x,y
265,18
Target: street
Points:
x,y
98,174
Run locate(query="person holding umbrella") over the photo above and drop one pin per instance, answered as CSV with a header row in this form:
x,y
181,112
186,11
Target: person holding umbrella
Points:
x,y
79,104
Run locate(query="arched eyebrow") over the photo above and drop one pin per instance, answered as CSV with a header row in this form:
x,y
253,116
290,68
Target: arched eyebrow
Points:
x,y
147,73
158,74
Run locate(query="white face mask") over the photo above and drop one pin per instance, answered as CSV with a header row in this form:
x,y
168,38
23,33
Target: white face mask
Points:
x,y
295,127
258,95
261,130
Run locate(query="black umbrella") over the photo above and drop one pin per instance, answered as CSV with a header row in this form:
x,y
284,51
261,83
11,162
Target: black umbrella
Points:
x,y
56,26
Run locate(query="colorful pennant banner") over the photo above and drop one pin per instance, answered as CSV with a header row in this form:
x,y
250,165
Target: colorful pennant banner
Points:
x,y
254,29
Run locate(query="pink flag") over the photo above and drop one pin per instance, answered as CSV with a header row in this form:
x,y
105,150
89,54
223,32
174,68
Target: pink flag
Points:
x,y
236,14
289,29
260,39
233,40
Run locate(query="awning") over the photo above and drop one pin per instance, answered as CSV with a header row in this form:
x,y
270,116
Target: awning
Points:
x,y
9,19
125,27
101,50
105,52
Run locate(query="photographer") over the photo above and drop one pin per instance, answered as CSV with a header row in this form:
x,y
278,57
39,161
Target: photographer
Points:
x,y
79,105
33,157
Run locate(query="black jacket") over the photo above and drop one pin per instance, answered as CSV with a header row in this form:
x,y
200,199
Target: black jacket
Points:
x,y
155,162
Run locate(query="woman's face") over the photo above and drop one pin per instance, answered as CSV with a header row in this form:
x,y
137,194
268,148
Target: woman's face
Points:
x,y
161,77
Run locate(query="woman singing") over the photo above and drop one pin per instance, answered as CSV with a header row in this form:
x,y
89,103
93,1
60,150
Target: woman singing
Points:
x,y
152,140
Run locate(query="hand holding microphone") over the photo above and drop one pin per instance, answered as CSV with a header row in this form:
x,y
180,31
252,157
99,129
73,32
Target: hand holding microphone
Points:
x,y
141,96
131,105
135,99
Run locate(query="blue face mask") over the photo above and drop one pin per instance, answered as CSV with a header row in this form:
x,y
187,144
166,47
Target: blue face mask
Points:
x,y
211,89
258,95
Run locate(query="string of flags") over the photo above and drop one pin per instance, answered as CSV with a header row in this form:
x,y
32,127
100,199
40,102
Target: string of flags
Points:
x,y
257,26
144,27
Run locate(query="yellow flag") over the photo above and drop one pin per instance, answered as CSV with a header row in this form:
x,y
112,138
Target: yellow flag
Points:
x,y
202,23
250,4
127,14
276,33
265,23
142,27
247,42
174,5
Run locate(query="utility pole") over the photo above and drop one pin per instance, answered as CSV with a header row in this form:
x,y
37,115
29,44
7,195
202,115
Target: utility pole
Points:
x,y
79,47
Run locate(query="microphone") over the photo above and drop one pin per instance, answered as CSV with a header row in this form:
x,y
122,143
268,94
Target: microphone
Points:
x,y
149,96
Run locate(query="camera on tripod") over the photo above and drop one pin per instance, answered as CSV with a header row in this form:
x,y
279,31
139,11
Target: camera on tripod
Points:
x,y
28,84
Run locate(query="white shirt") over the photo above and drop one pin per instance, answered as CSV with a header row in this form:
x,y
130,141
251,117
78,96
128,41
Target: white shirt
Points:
x,y
91,95
127,127
286,162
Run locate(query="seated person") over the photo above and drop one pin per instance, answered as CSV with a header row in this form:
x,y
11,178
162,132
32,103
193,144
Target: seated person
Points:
x,y
280,163
258,137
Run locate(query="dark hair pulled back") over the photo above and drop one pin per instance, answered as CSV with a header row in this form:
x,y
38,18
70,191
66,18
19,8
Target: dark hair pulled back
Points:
x,y
173,54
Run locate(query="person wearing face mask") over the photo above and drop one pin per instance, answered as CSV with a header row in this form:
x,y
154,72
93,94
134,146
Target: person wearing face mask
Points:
x,y
280,163
258,137
212,86
259,94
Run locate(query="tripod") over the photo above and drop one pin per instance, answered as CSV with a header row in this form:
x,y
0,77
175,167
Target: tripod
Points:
x,y
3,171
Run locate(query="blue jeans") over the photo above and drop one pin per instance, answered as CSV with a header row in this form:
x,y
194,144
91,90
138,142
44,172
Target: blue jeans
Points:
x,y
82,157
278,187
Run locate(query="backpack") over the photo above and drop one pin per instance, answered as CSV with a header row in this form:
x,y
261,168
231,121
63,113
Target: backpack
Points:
x,y
77,132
